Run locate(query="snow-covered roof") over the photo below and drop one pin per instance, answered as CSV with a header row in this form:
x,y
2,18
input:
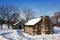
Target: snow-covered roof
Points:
x,y
33,21
16,23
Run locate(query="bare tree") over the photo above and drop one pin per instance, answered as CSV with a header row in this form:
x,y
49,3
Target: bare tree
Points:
x,y
9,13
53,20
29,13
57,15
14,17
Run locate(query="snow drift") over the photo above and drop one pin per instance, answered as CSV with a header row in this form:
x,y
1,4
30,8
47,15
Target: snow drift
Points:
x,y
10,34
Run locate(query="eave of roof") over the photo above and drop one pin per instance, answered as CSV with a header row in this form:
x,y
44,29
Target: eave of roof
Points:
x,y
16,23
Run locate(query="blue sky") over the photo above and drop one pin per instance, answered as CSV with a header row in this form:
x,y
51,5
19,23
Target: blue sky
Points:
x,y
42,7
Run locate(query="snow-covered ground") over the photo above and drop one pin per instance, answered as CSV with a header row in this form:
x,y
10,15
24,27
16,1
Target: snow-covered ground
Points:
x,y
10,34
5,26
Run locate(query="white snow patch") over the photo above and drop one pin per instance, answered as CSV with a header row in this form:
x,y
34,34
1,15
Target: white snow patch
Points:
x,y
1,38
20,35
5,26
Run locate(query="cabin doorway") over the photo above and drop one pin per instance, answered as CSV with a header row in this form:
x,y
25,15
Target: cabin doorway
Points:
x,y
20,27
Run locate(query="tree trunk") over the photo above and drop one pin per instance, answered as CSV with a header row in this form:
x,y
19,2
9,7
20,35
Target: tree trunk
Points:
x,y
8,25
1,26
56,21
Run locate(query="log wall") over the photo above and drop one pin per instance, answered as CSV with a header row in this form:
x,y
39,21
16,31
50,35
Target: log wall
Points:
x,y
29,29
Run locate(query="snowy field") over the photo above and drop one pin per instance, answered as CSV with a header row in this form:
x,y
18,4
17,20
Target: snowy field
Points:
x,y
10,34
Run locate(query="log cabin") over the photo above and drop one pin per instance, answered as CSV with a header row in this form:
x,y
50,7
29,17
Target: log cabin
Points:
x,y
18,25
39,26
